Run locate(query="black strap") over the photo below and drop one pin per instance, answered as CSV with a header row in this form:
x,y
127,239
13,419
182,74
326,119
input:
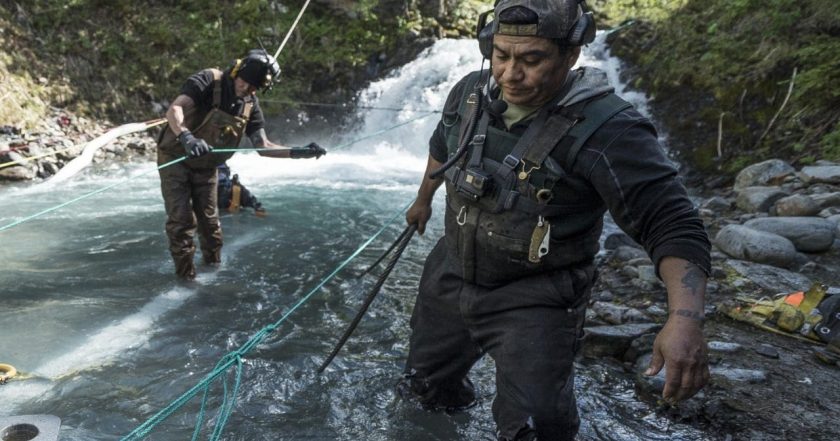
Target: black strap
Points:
x,y
595,114
477,150
546,140
217,88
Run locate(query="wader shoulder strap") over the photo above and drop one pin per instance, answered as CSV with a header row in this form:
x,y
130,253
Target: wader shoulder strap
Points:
x,y
477,150
246,110
469,99
555,128
217,88
595,114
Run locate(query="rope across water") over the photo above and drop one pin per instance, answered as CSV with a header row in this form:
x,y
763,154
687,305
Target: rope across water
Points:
x,y
222,150
235,357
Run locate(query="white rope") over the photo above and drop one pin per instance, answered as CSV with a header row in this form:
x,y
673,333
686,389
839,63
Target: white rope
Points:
x,y
294,25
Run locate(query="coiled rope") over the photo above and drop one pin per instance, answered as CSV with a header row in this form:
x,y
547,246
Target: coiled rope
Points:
x,y
235,358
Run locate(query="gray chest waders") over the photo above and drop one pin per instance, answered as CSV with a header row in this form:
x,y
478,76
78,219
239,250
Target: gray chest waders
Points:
x,y
220,129
501,205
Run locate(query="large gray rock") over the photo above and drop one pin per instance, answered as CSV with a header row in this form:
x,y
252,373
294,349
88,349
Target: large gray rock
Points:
x,y
754,199
746,243
829,174
17,173
808,234
717,204
770,172
614,341
770,278
826,200
796,205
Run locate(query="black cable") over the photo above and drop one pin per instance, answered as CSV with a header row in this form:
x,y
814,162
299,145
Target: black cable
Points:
x,y
388,251
403,242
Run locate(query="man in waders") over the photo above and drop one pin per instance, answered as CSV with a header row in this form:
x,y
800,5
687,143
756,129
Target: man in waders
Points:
x,y
233,196
213,110
532,157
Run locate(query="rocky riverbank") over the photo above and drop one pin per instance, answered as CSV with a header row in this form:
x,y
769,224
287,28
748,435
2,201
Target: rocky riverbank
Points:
x,y
40,153
775,231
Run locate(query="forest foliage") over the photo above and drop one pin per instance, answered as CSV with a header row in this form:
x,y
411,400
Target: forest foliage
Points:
x,y
741,80
733,81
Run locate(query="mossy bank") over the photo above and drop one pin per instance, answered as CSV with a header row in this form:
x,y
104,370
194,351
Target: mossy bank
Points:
x,y
736,81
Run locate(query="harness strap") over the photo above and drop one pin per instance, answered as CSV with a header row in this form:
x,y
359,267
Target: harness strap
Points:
x,y
217,88
477,151
595,114
246,109
546,140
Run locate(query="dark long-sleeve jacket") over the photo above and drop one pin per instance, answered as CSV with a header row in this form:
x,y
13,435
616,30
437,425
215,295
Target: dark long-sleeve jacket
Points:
x,y
624,169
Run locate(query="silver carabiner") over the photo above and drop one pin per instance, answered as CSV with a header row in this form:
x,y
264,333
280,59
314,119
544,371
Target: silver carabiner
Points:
x,y
461,219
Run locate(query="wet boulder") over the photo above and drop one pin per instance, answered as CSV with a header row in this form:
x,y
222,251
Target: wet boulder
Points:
x,y
746,243
614,341
769,278
758,199
770,172
808,234
618,314
796,205
829,174
717,204
826,200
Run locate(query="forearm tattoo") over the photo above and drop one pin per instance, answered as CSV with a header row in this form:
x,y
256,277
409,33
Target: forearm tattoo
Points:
x,y
687,313
694,279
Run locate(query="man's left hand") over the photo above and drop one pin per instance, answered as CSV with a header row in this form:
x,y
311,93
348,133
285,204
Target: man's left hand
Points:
x,y
681,348
311,150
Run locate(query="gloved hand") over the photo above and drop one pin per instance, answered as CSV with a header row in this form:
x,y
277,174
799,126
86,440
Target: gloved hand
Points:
x,y
194,147
310,150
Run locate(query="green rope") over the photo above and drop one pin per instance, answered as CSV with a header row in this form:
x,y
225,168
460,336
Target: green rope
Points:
x,y
236,357
345,106
223,150
84,196
377,133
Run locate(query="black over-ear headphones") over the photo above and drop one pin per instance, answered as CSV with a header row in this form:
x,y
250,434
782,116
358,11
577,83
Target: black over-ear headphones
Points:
x,y
582,32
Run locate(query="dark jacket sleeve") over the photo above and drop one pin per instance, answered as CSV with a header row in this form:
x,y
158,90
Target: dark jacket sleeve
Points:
x,y
437,143
639,184
199,87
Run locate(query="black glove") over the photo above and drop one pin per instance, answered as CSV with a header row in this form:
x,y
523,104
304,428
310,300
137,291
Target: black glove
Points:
x,y
310,150
194,147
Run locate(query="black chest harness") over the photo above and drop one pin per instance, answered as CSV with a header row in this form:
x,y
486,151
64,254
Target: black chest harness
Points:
x,y
508,193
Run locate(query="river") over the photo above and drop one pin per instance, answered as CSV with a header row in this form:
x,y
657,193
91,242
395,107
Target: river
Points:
x,y
106,337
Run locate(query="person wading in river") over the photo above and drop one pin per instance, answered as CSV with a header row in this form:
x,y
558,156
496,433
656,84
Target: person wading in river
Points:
x,y
233,196
219,106
532,158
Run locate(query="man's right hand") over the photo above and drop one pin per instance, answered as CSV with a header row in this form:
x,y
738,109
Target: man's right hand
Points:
x,y
419,214
194,147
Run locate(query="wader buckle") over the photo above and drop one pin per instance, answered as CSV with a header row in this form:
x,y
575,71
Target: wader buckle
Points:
x,y
523,175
